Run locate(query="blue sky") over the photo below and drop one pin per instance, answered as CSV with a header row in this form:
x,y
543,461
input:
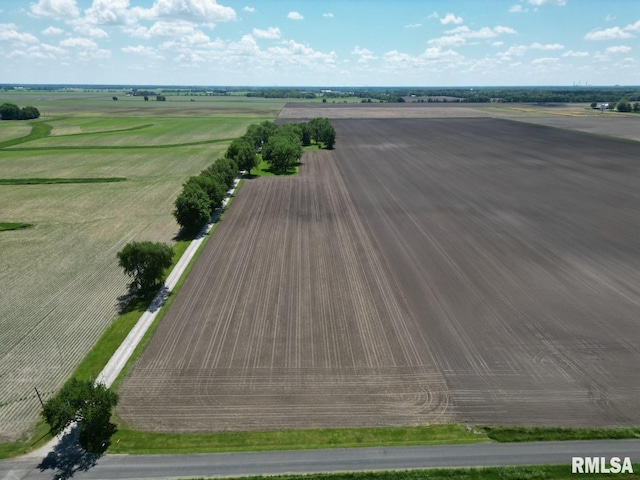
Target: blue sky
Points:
x,y
321,43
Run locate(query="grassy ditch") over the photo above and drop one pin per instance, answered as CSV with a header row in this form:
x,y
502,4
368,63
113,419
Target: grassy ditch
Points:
x,y
135,442
545,434
550,472
5,226
50,181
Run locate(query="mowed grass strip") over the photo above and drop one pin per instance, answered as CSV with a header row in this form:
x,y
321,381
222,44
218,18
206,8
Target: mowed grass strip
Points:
x,y
551,472
541,434
5,226
135,442
38,130
50,181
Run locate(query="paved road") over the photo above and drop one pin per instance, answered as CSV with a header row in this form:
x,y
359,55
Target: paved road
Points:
x,y
313,461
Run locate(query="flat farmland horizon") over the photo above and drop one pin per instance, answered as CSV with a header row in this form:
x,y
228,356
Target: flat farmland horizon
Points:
x,y
425,271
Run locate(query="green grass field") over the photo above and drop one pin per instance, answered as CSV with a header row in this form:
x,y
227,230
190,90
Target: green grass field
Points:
x,y
61,282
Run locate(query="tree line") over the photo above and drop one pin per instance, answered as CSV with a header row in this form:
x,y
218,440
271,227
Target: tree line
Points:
x,y
281,146
10,111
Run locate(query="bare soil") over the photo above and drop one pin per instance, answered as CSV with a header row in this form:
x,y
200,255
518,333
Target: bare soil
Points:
x,y
426,270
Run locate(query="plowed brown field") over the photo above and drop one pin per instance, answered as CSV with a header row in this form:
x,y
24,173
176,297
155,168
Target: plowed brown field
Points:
x,y
427,270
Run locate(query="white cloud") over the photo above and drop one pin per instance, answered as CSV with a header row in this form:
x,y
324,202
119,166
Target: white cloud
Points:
x,y
545,60
110,12
547,2
187,10
448,41
52,31
571,53
89,31
516,9
413,25
364,54
520,50
609,18
451,18
148,52
618,49
58,9
294,16
634,27
497,44
9,33
328,15
78,42
249,9
459,35
548,46
139,50
433,15
612,33
270,33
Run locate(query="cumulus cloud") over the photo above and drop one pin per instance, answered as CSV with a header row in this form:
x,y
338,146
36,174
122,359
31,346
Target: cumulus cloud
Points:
x,y
270,33
57,9
190,10
618,49
78,42
364,54
249,9
612,33
516,9
89,31
413,25
450,18
110,12
459,35
9,33
520,50
295,16
571,53
634,27
52,31
328,15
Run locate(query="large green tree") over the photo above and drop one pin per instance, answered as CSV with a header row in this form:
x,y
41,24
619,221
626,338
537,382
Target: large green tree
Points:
x,y
192,208
145,263
321,131
281,152
243,152
88,404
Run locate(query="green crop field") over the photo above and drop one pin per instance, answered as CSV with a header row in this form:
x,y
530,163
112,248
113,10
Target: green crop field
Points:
x,y
60,277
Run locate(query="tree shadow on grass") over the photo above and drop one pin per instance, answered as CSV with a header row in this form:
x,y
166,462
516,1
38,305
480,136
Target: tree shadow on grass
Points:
x,y
68,457
138,301
289,171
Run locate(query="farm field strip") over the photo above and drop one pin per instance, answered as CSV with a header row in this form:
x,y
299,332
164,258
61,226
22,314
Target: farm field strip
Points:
x,y
61,282
522,257
427,270
303,308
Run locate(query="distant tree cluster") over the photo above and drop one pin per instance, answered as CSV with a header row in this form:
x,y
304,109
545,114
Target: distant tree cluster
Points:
x,y
10,111
161,98
281,146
